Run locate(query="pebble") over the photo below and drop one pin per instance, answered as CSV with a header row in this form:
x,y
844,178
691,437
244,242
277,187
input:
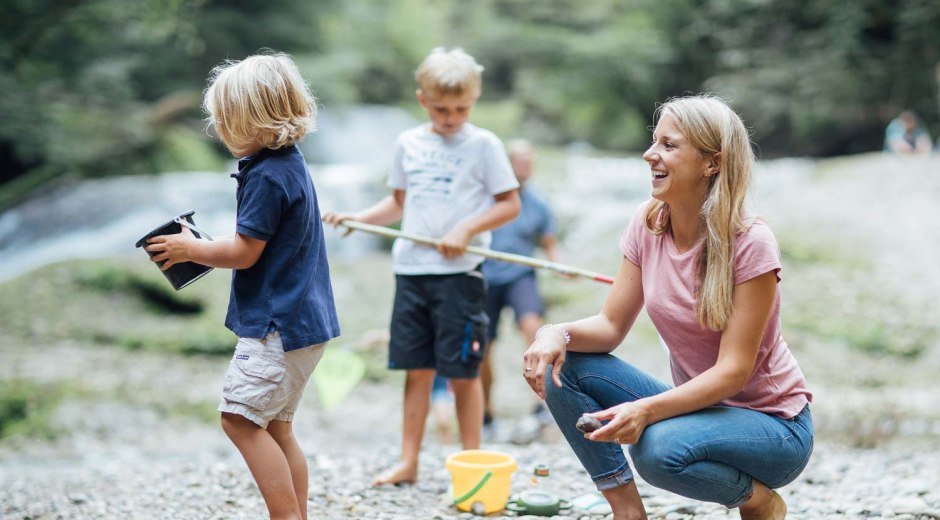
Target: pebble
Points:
x,y
210,488
587,423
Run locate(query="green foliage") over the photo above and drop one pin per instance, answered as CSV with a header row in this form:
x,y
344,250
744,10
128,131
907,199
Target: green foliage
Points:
x,y
106,87
811,78
25,408
118,302
820,250
155,292
502,117
824,77
880,330
372,49
72,102
182,148
831,295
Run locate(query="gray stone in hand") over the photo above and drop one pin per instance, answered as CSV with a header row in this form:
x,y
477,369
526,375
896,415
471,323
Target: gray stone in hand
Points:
x,y
587,423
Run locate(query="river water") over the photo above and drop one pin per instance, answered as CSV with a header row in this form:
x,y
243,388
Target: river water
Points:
x,y
105,217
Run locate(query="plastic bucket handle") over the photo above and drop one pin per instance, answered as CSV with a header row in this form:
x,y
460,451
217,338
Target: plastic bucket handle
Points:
x,y
182,274
183,222
473,491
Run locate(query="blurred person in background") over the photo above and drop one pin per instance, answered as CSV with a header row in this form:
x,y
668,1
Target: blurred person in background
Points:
x,y
514,285
906,135
442,409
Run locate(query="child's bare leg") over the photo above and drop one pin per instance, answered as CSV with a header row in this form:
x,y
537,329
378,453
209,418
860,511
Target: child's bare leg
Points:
x,y
764,504
529,324
283,434
416,404
267,464
441,410
486,376
625,502
469,401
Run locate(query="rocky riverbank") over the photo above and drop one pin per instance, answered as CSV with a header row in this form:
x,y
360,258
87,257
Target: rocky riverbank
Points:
x,y
115,419
175,470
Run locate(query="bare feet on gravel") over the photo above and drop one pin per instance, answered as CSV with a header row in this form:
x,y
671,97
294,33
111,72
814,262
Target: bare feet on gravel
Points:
x,y
765,504
401,473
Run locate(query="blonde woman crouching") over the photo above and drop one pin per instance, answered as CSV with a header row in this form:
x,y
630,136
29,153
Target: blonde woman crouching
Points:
x,y
736,424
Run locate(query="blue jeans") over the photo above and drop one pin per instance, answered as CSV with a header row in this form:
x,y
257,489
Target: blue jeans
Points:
x,y
712,455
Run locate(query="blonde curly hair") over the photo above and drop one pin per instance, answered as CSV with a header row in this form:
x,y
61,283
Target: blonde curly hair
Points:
x,y
261,100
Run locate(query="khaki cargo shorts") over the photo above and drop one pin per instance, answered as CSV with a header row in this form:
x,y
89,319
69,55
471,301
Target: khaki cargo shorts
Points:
x,y
264,383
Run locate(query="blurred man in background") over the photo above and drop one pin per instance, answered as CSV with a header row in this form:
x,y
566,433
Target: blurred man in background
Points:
x,y
514,285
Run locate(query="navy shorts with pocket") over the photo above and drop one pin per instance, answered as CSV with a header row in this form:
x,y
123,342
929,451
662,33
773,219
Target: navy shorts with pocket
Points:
x,y
439,322
521,294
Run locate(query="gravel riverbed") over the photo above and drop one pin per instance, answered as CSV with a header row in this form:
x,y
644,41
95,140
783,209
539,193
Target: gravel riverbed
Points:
x,y
861,278
182,471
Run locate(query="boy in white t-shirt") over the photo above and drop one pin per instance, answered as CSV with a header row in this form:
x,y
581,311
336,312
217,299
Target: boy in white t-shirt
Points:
x,y
452,181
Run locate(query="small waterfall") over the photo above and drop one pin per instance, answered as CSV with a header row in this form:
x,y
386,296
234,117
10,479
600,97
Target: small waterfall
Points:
x,y
104,217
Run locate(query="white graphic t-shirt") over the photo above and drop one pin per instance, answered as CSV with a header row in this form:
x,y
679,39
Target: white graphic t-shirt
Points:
x,y
446,180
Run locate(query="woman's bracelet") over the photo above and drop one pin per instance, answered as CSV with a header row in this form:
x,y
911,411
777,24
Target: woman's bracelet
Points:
x,y
551,326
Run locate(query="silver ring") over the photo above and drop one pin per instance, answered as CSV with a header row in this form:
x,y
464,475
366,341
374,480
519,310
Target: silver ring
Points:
x,y
528,369
617,440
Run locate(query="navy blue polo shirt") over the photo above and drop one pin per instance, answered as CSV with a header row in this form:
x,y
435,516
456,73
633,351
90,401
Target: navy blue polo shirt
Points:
x,y
288,289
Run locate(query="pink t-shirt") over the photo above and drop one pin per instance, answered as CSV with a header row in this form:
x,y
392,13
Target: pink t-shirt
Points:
x,y
777,385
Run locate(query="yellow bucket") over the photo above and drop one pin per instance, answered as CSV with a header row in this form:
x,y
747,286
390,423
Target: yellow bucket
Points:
x,y
481,476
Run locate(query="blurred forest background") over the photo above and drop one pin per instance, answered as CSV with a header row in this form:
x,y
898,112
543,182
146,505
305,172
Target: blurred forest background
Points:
x,y
108,87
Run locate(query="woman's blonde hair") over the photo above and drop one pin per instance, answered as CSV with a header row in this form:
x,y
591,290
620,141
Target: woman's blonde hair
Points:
x,y
718,132
261,99
449,72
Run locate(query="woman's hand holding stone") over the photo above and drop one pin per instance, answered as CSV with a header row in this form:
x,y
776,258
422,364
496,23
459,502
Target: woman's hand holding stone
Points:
x,y
627,422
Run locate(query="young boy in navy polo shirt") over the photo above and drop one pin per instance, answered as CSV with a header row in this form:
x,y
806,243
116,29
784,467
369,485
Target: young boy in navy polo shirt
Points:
x,y
450,180
281,304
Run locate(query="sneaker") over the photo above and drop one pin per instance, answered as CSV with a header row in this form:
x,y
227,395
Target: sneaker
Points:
x,y
527,430
494,432
592,503
531,427
542,415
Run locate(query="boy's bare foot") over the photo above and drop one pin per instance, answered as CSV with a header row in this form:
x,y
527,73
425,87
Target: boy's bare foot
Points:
x,y
765,504
401,473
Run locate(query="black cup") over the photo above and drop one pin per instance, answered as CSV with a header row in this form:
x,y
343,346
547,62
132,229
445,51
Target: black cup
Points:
x,y
183,274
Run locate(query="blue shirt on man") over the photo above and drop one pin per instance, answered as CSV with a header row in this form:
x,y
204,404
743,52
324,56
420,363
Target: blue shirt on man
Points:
x,y
520,237
288,289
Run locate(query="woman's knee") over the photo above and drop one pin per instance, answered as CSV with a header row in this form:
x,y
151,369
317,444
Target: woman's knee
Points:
x,y
802,462
576,366
568,376
657,457
579,369
552,393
